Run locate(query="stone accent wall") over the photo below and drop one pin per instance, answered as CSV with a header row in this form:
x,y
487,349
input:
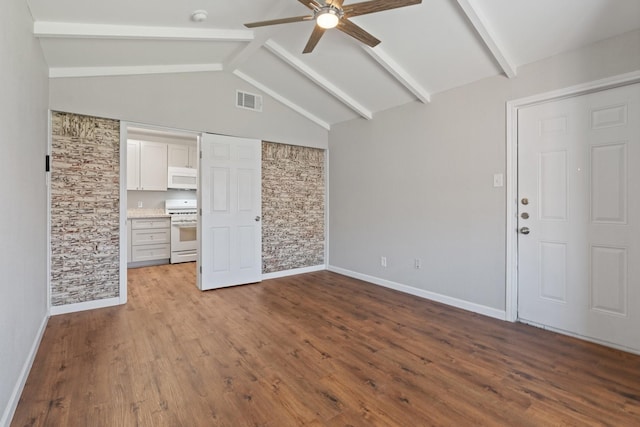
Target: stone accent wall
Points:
x,y
293,211
85,209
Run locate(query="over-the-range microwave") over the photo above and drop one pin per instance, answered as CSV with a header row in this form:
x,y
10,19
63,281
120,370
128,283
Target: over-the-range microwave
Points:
x,y
182,178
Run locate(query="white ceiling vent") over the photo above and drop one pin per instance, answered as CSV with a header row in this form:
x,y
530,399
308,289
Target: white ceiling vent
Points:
x,y
248,101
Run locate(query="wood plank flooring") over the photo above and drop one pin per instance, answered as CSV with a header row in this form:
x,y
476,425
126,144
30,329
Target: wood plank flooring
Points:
x,y
317,349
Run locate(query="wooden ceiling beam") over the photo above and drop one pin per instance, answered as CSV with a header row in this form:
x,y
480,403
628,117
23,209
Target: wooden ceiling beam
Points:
x,y
43,29
275,95
398,72
130,70
487,35
315,77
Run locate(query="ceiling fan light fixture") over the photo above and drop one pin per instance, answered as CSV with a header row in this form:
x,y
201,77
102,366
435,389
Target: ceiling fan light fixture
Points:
x,y
327,17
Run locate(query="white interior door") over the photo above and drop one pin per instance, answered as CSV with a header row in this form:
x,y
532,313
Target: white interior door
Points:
x,y
230,231
579,198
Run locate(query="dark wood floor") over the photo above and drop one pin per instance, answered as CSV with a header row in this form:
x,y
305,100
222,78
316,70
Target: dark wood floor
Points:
x,y
317,349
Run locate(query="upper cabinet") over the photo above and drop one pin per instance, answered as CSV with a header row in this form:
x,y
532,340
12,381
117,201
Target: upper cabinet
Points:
x,y
146,165
183,155
133,165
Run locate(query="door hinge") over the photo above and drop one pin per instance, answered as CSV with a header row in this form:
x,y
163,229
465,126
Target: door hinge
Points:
x,y
200,211
200,269
47,163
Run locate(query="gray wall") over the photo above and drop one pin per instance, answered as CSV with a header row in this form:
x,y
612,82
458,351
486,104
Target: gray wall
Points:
x,y
416,182
23,144
190,101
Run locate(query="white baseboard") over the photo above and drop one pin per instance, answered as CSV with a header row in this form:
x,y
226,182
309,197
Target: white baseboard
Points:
x,y
7,415
293,272
454,302
580,337
82,306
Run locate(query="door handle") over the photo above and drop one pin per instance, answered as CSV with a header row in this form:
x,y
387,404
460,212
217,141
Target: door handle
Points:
x,y
257,218
525,230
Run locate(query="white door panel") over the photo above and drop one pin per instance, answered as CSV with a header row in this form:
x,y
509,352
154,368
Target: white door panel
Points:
x,y
578,169
230,197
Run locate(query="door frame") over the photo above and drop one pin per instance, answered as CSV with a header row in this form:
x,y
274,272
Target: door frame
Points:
x,y
512,108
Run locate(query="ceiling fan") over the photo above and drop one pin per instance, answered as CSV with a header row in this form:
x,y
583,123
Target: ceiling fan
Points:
x,y
332,14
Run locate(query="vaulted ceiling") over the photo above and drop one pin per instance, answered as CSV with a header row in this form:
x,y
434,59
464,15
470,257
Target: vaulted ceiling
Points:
x,y
426,48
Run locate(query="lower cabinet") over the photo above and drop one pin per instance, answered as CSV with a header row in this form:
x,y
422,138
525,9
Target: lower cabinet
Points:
x,y
150,239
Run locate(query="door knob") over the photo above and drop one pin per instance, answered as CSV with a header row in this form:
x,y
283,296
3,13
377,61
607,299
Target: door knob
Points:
x,y
524,215
257,218
525,230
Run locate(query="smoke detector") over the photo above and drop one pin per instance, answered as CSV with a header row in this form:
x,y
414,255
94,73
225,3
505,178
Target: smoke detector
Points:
x,y
199,16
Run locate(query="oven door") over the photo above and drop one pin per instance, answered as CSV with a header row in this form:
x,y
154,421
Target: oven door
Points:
x,y
184,236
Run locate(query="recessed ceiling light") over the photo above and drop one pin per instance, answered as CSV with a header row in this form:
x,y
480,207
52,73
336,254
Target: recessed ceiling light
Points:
x,y
199,16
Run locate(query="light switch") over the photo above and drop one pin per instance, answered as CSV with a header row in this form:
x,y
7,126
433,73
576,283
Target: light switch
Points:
x,y
498,180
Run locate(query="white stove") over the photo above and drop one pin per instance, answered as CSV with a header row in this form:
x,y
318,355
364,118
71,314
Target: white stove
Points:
x,y
184,229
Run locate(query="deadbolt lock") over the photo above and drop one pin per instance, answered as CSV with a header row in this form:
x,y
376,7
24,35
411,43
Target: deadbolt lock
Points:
x,y
524,215
525,201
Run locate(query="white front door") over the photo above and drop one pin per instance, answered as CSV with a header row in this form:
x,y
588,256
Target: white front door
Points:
x,y
579,198
230,201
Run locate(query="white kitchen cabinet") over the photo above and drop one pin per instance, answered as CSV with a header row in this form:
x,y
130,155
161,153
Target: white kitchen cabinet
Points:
x,y
133,165
183,155
146,165
128,240
150,239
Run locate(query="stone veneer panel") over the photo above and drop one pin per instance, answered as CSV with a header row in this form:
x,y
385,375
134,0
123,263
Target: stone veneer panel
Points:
x,y
293,212
85,209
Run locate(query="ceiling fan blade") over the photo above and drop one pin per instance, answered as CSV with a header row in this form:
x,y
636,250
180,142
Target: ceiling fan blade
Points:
x,y
279,21
314,39
356,32
311,4
373,6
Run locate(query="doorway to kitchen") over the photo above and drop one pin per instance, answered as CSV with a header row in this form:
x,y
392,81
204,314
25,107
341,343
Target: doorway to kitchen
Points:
x,y
161,195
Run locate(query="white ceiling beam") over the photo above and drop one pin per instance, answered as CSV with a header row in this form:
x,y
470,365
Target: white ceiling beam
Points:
x,y
398,72
325,84
485,32
249,50
62,72
44,29
263,34
272,93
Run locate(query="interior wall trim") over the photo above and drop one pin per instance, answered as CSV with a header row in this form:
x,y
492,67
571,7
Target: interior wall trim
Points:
x,y
433,296
10,409
293,272
89,305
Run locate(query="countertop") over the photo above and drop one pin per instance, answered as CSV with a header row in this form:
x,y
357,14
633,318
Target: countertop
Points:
x,y
146,213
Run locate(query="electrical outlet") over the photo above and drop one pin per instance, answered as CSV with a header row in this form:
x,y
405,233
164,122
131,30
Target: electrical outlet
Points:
x,y
139,203
417,264
383,261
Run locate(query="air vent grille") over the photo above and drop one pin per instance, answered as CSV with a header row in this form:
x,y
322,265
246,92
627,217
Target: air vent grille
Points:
x,y
248,101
